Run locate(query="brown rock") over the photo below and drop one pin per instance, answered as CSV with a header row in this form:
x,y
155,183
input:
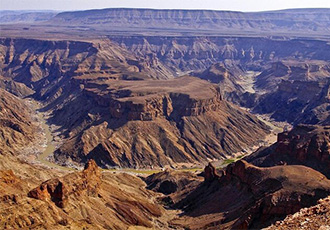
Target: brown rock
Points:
x,y
183,120
52,190
315,217
247,196
59,190
210,173
171,181
303,145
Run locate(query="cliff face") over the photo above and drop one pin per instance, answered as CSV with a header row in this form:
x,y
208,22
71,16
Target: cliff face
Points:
x,y
304,71
182,54
121,103
304,145
246,196
153,123
185,124
297,102
297,92
147,100
17,129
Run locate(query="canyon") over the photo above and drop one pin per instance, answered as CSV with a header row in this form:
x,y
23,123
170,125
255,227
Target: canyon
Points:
x,y
164,119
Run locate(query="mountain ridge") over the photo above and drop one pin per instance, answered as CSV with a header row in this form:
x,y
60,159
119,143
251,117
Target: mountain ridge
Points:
x,y
110,21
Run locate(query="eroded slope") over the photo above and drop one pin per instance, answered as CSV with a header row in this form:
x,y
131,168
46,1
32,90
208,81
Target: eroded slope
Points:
x,y
168,122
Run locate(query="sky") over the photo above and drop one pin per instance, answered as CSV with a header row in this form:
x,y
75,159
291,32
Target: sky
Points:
x,y
236,5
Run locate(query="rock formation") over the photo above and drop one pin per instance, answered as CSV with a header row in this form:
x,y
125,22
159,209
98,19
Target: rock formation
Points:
x,y
118,96
297,92
303,145
106,76
294,22
86,199
182,54
59,190
210,173
183,120
315,217
247,196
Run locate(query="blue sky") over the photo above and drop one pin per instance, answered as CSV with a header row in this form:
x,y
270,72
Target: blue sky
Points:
x,y
239,5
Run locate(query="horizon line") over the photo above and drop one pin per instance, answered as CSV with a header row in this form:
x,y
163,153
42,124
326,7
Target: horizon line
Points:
x,y
165,9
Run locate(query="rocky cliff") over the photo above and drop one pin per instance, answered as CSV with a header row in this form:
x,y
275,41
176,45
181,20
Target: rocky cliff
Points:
x,y
294,91
304,145
182,54
249,197
153,123
306,71
111,80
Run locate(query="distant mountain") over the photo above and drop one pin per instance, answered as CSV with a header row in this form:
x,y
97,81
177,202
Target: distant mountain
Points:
x,y
303,21
8,16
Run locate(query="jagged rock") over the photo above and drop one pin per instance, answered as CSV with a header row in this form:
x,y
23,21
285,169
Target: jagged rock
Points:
x,y
85,199
315,217
210,173
303,145
247,196
53,190
59,190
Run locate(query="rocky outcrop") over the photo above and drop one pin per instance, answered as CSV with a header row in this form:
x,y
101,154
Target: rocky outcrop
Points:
x,y
48,66
53,190
171,181
18,89
246,196
210,173
148,100
303,145
293,70
315,217
59,190
86,199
